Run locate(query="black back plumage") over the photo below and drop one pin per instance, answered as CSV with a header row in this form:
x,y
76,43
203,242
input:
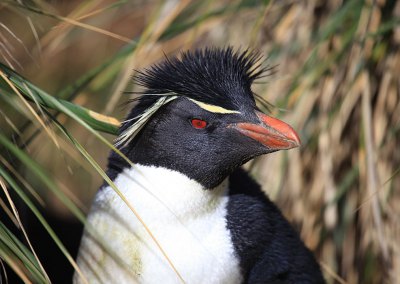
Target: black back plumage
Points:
x,y
269,249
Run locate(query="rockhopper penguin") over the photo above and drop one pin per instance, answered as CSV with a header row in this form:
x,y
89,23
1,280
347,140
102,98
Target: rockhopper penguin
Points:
x,y
195,124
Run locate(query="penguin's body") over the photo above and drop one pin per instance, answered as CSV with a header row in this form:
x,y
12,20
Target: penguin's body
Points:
x,y
189,222
194,126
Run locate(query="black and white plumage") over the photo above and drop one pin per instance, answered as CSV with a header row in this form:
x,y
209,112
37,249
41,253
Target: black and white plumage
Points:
x,y
195,125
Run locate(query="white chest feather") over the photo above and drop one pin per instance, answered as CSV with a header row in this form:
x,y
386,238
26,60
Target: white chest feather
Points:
x,y
187,220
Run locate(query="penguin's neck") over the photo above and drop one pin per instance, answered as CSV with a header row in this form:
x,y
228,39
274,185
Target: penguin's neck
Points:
x,y
164,192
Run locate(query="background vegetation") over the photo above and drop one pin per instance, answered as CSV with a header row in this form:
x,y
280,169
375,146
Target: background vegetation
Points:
x,y
336,81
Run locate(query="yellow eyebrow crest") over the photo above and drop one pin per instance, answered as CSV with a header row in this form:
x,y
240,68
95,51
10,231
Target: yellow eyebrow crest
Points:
x,y
213,108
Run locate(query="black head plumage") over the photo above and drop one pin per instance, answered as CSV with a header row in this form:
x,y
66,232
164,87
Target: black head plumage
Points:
x,y
219,77
215,76
213,86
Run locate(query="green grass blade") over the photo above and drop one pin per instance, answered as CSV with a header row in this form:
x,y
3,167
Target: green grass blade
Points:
x,y
91,118
11,246
39,216
92,121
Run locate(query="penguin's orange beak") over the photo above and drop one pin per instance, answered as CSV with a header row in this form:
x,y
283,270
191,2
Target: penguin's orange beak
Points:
x,y
271,132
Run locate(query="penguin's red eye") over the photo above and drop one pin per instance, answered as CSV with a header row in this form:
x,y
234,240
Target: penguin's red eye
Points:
x,y
198,123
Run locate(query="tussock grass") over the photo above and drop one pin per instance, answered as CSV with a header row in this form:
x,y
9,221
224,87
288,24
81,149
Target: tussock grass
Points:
x,y
66,62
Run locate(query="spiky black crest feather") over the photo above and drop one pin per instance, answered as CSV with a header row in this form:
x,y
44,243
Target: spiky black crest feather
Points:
x,y
215,76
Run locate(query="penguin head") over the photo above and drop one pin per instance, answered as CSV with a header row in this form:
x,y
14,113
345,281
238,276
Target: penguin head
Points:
x,y
198,116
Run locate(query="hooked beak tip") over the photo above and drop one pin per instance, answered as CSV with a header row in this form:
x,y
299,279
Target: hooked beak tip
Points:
x,y
271,132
